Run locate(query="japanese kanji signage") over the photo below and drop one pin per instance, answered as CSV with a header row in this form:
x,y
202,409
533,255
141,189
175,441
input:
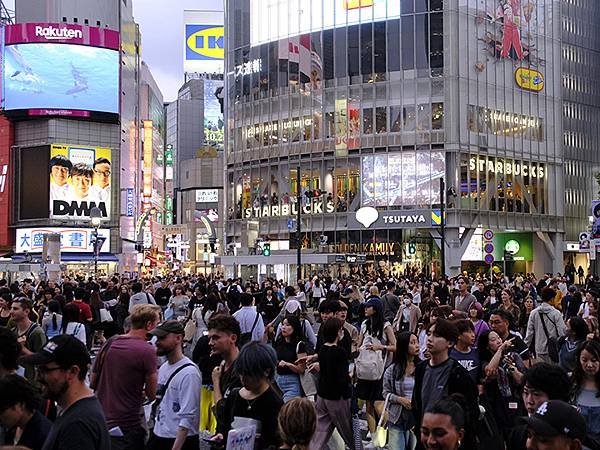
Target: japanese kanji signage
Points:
x,y
72,240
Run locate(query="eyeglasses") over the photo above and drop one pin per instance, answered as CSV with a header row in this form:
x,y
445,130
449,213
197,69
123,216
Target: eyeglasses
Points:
x,y
461,282
106,173
43,370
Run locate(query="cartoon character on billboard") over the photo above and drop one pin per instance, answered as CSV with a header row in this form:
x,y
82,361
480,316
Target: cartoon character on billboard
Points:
x,y
596,223
510,11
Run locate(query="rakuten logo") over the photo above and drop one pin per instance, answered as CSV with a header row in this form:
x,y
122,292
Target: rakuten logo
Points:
x,y
51,33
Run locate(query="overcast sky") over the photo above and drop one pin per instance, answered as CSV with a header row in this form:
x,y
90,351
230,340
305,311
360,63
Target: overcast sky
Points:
x,y
161,25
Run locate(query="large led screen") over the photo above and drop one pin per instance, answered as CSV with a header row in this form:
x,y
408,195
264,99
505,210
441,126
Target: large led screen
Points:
x,y
402,179
214,126
61,76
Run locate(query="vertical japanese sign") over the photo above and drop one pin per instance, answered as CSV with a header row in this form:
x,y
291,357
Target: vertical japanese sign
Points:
x,y
80,179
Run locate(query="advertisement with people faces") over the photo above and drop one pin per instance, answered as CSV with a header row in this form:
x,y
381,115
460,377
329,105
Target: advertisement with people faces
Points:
x,y
80,179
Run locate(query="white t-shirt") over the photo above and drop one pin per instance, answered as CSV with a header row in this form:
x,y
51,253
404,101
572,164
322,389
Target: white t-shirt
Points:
x,y
180,405
76,329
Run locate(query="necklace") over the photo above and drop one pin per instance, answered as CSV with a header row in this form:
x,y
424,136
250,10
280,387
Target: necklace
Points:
x,y
250,403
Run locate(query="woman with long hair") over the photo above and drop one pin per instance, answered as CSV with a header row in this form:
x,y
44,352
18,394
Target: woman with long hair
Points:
x,y
179,302
71,324
528,306
52,322
290,347
376,340
398,384
577,331
509,305
96,304
5,301
503,371
476,316
585,394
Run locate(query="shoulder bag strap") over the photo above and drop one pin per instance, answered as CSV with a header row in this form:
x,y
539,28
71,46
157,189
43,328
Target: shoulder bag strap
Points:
x,y
544,326
101,357
255,322
164,390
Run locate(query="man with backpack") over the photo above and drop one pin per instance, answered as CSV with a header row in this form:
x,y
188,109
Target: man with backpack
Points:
x,y
139,297
544,327
29,334
252,327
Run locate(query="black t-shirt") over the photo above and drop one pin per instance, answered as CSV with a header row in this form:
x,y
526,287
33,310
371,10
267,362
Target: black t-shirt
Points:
x,y
195,302
286,351
230,381
264,409
35,432
162,296
345,343
334,381
81,426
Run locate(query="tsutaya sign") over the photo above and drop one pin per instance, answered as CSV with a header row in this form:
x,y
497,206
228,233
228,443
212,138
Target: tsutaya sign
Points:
x,y
370,217
316,206
507,167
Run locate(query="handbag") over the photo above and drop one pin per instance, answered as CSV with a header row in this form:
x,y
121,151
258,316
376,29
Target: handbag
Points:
x,y
190,330
105,315
307,381
169,313
381,433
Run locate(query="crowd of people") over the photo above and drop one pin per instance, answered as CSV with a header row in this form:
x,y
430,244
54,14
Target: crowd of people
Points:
x,y
189,362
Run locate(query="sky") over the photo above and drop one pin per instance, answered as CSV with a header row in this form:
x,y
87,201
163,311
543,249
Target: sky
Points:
x,y
161,26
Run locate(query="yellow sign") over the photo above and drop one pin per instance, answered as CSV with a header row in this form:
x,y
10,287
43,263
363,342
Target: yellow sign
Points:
x,y
436,218
205,42
529,79
355,4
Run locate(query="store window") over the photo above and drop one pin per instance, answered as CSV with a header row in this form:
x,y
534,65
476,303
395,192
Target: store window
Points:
x,y
367,120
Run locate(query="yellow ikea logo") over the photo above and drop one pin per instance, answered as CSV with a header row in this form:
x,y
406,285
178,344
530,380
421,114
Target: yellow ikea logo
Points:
x,y
205,42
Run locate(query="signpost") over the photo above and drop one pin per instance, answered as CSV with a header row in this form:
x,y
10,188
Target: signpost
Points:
x,y
488,235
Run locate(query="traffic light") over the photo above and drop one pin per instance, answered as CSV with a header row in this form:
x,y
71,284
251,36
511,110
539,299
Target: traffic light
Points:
x,y
266,249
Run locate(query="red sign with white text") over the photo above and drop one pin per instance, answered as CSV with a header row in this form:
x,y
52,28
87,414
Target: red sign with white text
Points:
x,y
63,33
6,180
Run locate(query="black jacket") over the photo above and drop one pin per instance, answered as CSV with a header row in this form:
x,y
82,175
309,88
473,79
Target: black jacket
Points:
x,y
459,382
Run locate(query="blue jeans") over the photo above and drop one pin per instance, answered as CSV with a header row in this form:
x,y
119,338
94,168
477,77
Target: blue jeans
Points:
x,y
399,439
290,386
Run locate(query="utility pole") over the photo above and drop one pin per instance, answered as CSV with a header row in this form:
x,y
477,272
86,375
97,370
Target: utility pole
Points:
x,y
443,225
298,226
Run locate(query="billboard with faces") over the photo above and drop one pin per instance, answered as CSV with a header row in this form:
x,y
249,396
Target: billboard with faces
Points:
x,y
80,179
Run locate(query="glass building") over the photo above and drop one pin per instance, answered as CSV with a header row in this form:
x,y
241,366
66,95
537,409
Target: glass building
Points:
x,y
375,102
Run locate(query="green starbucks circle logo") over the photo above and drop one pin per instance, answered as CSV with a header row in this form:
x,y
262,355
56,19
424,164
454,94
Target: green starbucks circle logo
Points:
x,y
512,246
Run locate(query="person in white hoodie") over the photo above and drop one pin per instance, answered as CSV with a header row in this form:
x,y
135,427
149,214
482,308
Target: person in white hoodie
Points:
x,y
552,327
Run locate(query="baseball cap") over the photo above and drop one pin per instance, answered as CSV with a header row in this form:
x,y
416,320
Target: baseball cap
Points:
x,y
65,350
170,326
556,417
374,302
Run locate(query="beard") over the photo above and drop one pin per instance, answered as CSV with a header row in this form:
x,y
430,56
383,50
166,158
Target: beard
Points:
x,y
55,392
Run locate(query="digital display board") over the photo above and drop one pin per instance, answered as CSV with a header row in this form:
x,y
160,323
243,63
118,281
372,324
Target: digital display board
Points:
x,y
271,20
214,126
402,179
80,178
61,76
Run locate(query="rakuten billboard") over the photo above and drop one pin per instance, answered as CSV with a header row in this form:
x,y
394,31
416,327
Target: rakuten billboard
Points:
x,y
60,69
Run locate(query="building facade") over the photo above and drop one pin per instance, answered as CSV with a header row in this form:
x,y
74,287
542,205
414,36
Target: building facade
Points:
x,y
375,102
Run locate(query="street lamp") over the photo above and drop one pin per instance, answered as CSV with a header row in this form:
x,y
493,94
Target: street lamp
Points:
x,y
96,218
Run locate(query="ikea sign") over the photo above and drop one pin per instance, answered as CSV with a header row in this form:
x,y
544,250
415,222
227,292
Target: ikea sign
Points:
x,y
205,42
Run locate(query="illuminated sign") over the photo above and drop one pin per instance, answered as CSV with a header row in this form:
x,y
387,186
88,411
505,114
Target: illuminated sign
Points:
x,y
148,134
205,42
72,240
316,206
529,79
207,195
214,125
3,175
368,218
379,248
512,246
130,202
485,120
294,124
507,167
54,33
248,68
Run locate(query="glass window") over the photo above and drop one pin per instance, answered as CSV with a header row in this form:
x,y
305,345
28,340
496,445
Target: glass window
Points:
x,y
353,51
367,120
424,117
395,119
393,45
366,49
410,118
341,52
381,119
407,6
436,42
421,5
408,43
437,116
329,125
328,62
422,40
380,48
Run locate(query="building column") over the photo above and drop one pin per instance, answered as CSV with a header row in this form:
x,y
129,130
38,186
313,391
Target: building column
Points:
x,y
456,245
554,246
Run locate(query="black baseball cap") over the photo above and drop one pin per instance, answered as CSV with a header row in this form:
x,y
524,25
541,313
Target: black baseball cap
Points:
x,y
170,326
554,418
65,350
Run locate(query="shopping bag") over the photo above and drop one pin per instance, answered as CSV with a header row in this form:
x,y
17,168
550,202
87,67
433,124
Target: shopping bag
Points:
x,y
208,421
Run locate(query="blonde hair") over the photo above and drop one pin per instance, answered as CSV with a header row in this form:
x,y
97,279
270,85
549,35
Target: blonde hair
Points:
x,y
142,314
374,290
297,423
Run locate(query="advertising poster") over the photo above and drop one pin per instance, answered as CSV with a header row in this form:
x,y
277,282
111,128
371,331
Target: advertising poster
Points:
x,y
341,126
214,126
72,240
596,222
204,46
80,178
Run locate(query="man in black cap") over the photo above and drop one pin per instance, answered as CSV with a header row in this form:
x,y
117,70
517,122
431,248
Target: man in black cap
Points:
x,y
62,366
555,425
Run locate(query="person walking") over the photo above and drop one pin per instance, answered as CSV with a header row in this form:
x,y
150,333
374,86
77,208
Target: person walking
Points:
x,y
62,366
544,327
177,407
